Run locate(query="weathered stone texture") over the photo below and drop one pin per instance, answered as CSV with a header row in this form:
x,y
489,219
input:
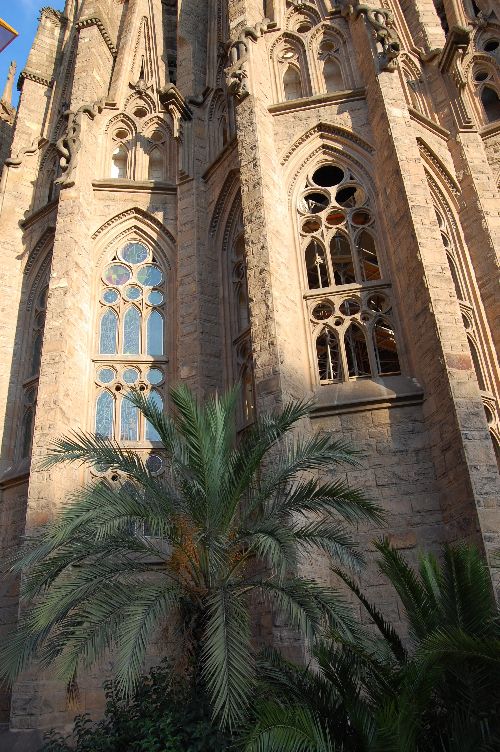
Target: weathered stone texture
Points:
x,y
240,114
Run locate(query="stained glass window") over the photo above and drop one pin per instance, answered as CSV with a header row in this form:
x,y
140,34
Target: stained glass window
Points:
x,y
151,433
104,415
109,325
131,340
129,421
132,332
155,334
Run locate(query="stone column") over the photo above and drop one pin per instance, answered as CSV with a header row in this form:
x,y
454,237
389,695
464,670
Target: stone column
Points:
x,y
462,451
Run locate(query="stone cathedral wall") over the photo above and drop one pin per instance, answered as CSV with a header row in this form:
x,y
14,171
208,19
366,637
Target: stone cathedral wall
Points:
x,y
242,112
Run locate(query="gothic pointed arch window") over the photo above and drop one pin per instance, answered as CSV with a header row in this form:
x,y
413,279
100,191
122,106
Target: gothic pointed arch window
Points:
x,y
292,83
130,341
486,82
491,103
332,75
119,161
347,292
155,164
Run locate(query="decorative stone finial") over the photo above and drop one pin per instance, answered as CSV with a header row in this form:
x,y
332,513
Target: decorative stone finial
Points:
x,y
7,92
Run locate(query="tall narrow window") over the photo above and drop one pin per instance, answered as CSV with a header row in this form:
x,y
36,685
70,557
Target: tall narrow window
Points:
x,y
368,257
356,350
151,433
155,333
104,415
27,432
108,338
454,276
119,162
292,84
328,355
132,331
343,267
155,166
317,271
332,75
477,364
385,348
131,341
240,331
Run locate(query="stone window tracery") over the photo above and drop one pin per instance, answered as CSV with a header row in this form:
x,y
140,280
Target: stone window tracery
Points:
x,y
291,80
130,342
486,81
328,55
348,300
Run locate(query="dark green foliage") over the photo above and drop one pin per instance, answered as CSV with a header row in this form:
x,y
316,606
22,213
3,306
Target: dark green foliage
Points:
x,y
439,693
228,519
160,717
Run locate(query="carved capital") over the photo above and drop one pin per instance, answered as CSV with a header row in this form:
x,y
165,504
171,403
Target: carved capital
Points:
x,y
382,22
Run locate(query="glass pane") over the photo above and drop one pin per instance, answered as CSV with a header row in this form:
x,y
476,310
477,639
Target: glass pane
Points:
x,y
356,352
110,296
106,375
154,376
328,354
107,340
37,354
385,348
155,334
343,267
116,274
130,375
132,292
368,257
317,273
155,297
132,332
104,415
27,434
134,253
129,421
151,433
154,463
149,275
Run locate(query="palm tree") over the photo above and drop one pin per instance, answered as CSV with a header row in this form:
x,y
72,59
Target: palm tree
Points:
x,y
438,692
229,518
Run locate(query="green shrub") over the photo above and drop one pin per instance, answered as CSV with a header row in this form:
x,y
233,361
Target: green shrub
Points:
x,y
162,716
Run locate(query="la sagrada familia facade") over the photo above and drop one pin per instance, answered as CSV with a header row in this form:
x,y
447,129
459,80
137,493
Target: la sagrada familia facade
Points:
x,y
300,196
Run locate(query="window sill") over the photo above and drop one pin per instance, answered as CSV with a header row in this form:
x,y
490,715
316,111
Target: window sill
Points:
x,y
16,474
334,97
122,184
359,395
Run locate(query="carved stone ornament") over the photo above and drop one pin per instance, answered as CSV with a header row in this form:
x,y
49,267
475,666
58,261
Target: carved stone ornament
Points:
x,y
68,146
176,106
236,83
237,48
382,21
35,146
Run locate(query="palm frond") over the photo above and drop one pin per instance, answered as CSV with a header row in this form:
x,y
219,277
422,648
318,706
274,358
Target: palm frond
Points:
x,y
294,729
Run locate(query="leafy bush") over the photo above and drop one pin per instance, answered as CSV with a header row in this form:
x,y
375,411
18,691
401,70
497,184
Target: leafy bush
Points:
x,y
161,717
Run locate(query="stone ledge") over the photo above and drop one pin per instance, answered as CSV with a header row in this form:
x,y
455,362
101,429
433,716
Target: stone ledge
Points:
x,y
366,394
121,184
438,130
335,97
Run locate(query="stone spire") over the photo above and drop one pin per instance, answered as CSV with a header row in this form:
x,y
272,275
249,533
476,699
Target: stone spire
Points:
x,y
7,92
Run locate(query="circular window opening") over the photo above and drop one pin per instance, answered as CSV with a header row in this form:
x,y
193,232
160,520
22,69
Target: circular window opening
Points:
x,y
311,225
335,218
316,202
480,75
121,134
154,463
134,253
378,304
350,196
304,27
130,375
140,112
110,296
117,274
105,375
132,292
154,376
361,218
288,54
322,311
491,45
350,307
328,175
